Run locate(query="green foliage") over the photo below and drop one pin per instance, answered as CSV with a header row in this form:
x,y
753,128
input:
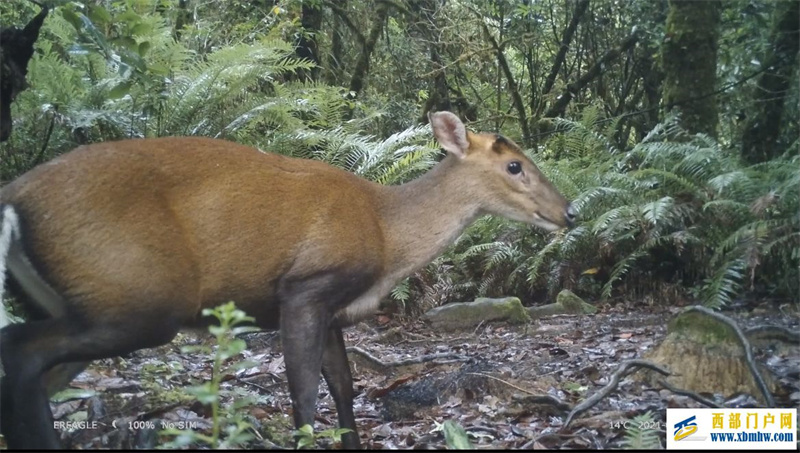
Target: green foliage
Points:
x,y
455,435
232,424
639,438
674,211
103,74
399,158
307,438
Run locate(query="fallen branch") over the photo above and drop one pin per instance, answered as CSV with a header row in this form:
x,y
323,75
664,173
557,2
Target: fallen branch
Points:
x,y
541,400
748,350
774,333
557,436
692,395
624,369
412,361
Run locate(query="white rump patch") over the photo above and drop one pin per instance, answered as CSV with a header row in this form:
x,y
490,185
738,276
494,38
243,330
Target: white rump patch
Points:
x,y
8,231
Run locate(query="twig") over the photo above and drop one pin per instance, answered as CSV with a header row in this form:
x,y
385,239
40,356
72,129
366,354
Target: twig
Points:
x,y
264,388
543,399
748,350
530,444
692,395
504,382
624,369
38,159
415,360
774,333
475,332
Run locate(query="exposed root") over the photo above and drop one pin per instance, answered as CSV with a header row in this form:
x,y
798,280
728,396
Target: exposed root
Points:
x,y
774,333
624,369
692,395
381,365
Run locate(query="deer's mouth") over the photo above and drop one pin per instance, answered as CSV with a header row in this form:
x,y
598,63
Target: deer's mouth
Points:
x,y
545,223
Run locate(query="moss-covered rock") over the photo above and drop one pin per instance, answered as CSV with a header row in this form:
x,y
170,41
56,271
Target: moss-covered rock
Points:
x,y
567,303
468,314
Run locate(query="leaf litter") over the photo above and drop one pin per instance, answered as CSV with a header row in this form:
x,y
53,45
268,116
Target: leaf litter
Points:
x,y
510,387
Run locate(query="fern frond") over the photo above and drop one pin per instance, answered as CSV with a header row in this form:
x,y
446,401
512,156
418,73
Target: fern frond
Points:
x,y
620,269
638,438
724,284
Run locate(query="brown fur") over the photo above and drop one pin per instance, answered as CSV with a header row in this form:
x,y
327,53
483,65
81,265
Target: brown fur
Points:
x,y
189,218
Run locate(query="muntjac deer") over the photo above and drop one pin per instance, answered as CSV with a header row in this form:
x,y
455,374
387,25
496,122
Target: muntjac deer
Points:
x,y
117,246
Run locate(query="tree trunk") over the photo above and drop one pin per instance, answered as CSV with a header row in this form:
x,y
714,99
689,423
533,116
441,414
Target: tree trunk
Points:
x,y
183,18
705,355
361,69
690,63
513,89
333,72
426,26
763,127
307,47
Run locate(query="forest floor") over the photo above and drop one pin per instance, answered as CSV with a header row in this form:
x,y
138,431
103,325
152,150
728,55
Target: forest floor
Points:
x,y
489,380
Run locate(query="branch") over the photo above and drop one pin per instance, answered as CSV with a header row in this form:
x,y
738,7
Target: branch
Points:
x,y
704,401
396,6
362,65
573,88
378,363
346,19
512,84
774,333
580,9
624,369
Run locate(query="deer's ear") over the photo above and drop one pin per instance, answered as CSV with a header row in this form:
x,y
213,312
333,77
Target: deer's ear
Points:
x,y
449,132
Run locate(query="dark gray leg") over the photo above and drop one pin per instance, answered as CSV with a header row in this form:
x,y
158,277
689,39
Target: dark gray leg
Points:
x,y
303,331
336,370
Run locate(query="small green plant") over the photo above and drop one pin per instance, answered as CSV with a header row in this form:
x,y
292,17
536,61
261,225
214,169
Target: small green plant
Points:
x,y
307,438
229,421
639,437
455,436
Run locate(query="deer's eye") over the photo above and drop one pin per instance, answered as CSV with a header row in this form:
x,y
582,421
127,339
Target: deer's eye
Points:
x,y
514,167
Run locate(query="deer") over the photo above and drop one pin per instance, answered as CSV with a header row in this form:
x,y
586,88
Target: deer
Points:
x,y
117,246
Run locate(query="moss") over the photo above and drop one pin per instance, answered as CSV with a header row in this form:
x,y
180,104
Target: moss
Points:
x,y
701,328
574,304
465,314
690,62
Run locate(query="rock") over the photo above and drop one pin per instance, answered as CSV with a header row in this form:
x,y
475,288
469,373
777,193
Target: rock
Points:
x,y
567,303
460,315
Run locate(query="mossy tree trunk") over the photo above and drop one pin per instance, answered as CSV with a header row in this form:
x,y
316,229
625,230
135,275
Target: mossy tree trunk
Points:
x,y
763,127
307,46
690,63
361,69
425,27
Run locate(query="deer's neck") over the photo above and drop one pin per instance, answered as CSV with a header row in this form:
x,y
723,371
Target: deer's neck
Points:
x,y
425,216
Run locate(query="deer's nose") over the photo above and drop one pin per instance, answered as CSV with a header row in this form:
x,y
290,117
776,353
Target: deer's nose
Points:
x,y
570,215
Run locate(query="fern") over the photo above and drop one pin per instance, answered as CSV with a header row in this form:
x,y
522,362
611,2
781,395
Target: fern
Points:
x,y
638,438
